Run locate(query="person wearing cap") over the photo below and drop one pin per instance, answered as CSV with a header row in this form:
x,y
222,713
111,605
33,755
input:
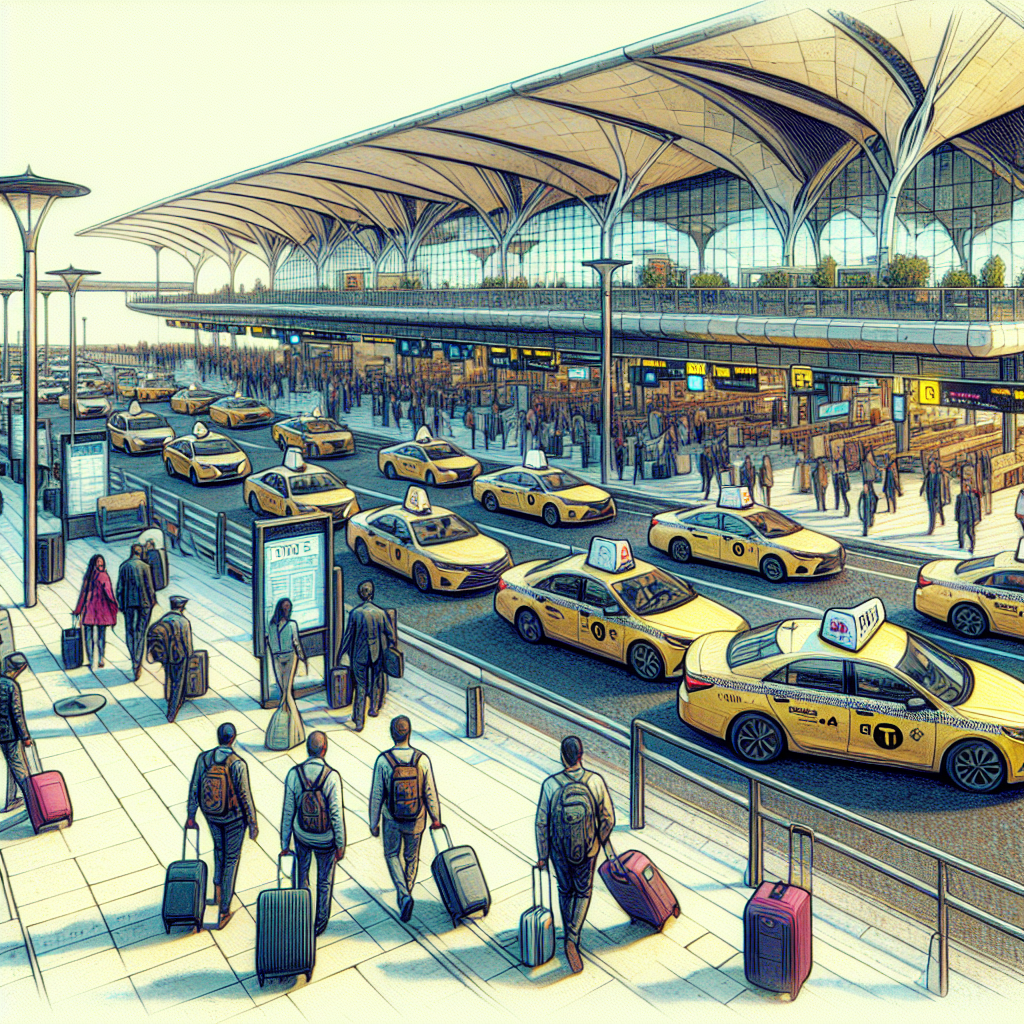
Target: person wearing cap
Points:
x,y
170,643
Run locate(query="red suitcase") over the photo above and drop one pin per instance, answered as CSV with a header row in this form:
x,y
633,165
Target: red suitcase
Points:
x,y
49,805
638,887
777,927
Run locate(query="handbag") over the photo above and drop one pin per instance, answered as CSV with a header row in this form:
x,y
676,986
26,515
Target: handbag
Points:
x,y
394,663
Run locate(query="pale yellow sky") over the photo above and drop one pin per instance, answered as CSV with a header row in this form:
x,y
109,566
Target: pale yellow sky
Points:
x,y
141,100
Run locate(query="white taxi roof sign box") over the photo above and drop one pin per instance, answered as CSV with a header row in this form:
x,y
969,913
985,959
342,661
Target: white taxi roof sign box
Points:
x,y
193,386
535,459
200,429
422,436
735,497
852,628
416,501
610,555
317,413
1020,550
293,459
134,409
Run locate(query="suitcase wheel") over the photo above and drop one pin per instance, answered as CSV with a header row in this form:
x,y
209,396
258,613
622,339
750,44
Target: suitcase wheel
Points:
x,y
675,910
309,977
260,979
167,929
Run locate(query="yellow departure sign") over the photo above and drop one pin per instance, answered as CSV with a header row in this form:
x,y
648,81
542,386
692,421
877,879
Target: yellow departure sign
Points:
x,y
801,378
928,392
696,369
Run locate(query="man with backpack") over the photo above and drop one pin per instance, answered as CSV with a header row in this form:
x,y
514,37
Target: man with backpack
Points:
x,y
403,794
220,787
314,813
575,817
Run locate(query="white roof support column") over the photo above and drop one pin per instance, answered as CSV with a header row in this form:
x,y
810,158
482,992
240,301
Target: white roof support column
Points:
x,y
326,234
417,221
235,255
273,246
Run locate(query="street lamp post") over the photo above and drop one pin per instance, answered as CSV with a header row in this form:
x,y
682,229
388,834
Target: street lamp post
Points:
x,y
72,278
85,344
29,198
46,333
5,367
606,268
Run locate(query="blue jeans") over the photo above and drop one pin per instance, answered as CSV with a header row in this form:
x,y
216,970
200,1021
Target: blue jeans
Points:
x,y
95,636
228,837
324,877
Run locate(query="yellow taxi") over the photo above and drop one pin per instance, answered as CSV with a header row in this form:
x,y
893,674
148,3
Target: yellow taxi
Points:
x,y
609,603
205,457
535,489
855,686
739,533
295,487
125,382
154,388
194,400
976,595
436,548
428,460
318,436
235,411
136,432
89,404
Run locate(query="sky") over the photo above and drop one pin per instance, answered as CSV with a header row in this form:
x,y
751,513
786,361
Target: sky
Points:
x,y
140,100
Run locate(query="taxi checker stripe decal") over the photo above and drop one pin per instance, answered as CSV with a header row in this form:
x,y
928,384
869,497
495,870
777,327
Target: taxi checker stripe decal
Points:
x,y
759,540
973,588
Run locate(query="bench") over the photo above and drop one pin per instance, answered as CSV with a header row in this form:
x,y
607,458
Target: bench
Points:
x,y
122,515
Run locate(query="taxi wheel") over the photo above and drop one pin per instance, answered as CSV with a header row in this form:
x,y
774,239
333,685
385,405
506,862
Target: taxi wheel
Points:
x,y
645,662
362,552
756,738
281,442
976,766
680,550
429,479
421,578
169,468
551,517
389,471
254,504
489,501
528,626
969,620
773,570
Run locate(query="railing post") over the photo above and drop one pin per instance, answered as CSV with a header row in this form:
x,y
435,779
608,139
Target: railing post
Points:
x,y
943,914
755,852
221,545
474,711
637,767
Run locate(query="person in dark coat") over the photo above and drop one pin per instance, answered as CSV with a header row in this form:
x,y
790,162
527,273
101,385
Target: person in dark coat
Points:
x,y
821,484
891,484
866,506
967,513
931,488
154,559
135,596
747,474
841,485
766,476
368,635
14,732
707,469
985,481
170,643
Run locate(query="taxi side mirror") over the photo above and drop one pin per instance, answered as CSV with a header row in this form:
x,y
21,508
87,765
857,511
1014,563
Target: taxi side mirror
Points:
x,y
612,609
917,704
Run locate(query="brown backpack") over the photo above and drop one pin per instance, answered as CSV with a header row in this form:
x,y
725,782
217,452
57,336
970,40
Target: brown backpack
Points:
x,y
405,797
314,816
217,795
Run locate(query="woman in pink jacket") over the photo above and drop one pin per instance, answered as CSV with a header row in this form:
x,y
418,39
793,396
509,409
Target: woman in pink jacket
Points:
x,y
97,606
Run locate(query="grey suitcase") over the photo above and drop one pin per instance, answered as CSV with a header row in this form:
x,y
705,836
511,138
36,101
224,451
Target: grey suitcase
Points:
x,y
185,890
197,674
537,924
285,944
459,879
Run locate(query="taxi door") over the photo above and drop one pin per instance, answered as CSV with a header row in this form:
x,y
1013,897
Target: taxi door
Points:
x,y
1003,599
509,490
274,494
817,717
739,543
410,462
704,531
556,601
881,727
178,456
115,426
401,548
380,532
598,631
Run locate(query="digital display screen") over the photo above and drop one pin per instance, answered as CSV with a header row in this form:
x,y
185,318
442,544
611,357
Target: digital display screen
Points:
x,y
578,373
830,409
899,408
294,567
735,378
86,476
694,382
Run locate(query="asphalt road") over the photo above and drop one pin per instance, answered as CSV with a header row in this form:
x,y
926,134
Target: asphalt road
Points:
x,y
982,830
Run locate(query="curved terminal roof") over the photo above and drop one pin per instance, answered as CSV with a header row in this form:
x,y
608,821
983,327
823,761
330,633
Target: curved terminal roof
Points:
x,y
781,95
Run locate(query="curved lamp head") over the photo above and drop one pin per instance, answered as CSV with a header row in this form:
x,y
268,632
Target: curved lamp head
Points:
x,y
72,277
30,197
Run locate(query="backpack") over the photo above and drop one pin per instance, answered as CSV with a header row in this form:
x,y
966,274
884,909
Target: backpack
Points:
x,y
217,795
313,812
405,797
573,819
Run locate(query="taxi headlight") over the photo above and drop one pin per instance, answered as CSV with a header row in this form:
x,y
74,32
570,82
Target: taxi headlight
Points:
x,y
807,554
1014,732
675,641
448,566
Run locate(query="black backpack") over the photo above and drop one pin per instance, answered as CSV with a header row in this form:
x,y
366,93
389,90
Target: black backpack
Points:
x,y
314,815
573,818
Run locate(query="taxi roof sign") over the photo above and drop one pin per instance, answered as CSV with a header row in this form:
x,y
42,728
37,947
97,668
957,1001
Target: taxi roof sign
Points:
x,y
610,555
135,409
293,459
535,459
193,386
317,412
735,497
852,628
422,436
417,502
200,429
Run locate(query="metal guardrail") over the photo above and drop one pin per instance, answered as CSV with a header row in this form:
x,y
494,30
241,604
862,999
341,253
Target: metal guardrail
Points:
x,y
634,739
238,551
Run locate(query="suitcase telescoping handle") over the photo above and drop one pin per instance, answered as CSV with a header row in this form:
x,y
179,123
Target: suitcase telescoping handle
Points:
x,y
802,833
447,839
295,861
537,887
184,842
617,870
32,761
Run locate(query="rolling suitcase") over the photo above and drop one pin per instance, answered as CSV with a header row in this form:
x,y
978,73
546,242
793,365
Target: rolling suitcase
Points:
x,y
49,805
459,879
285,944
660,471
51,500
537,924
71,647
197,674
683,464
50,558
777,927
185,889
638,887
340,687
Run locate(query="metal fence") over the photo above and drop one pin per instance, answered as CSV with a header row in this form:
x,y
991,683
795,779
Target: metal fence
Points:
x,y
943,304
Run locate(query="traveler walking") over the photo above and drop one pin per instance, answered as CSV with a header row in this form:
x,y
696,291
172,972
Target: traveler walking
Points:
x,y
767,478
314,815
985,481
284,650
155,560
170,642
575,817
841,485
368,635
931,488
135,596
220,787
1018,509
967,513
97,607
891,483
14,732
821,484
403,794
747,474
866,507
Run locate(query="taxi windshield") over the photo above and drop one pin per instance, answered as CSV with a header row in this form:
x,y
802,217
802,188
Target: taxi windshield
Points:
x,y
560,480
770,523
320,426
976,563
753,645
442,529
442,450
315,483
652,592
215,446
941,674
240,403
146,421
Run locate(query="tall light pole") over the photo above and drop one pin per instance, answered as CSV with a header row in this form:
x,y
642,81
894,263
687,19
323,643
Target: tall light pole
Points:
x,y
85,344
29,198
46,333
6,366
606,268
72,278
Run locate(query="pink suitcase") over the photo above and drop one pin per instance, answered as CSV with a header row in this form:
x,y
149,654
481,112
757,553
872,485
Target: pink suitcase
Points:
x,y
638,887
777,928
49,805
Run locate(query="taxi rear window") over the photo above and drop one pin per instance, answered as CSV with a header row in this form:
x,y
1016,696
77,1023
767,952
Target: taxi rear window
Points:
x,y
753,645
976,563
652,592
321,426
147,421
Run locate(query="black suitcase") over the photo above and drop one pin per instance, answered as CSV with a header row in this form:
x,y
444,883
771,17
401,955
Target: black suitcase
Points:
x,y
50,558
197,674
339,688
459,879
71,647
659,471
285,944
51,500
185,890
394,663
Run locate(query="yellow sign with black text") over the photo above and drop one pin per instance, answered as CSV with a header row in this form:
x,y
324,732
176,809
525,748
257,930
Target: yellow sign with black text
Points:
x,y
928,392
801,378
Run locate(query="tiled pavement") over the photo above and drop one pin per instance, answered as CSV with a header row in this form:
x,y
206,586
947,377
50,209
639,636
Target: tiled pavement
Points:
x,y
88,897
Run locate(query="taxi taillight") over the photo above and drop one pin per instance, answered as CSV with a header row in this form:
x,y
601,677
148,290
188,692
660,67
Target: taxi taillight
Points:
x,y
923,581
502,585
694,682
654,522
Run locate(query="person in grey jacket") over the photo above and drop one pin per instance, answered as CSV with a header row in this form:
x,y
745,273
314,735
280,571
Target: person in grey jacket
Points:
x,y
14,732
135,596
227,827
312,790
368,635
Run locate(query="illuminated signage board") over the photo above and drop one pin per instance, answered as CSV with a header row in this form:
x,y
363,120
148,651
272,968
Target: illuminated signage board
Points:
x,y
801,380
735,378
457,351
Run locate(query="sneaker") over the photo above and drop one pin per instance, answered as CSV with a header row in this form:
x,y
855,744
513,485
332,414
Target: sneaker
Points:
x,y
572,954
407,909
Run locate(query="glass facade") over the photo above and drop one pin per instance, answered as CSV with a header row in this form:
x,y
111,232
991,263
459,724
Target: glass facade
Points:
x,y
953,211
